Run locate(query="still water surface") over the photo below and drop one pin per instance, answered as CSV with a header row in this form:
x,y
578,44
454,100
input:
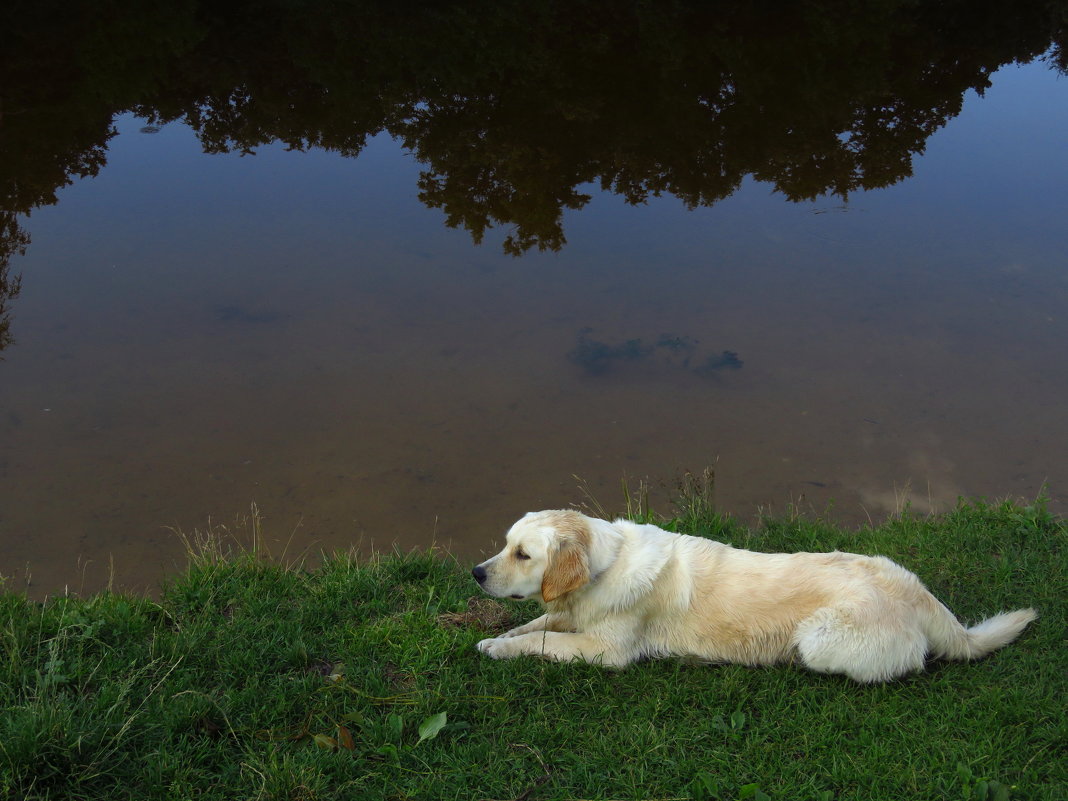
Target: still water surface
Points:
x,y
297,329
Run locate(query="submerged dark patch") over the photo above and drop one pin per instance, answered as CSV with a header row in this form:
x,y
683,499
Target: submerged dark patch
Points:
x,y
597,358
727,360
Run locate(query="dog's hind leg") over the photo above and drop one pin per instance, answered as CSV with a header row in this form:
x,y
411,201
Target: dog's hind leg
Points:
x,y
864,645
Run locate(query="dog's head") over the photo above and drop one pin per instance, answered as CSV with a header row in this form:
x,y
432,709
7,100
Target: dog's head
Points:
x,y
546,555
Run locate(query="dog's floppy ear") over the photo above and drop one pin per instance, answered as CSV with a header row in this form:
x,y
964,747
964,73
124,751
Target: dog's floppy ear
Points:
x,y
568,569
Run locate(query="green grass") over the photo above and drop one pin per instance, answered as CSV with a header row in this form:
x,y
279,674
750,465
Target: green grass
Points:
x,y
249,679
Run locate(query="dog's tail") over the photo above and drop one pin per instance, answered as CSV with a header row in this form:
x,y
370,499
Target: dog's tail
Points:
x,y
948,639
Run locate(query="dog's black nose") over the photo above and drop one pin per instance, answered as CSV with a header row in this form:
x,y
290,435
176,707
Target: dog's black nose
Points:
x,y
479,572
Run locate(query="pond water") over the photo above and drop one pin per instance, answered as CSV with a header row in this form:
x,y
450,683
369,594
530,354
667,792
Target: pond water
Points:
x,y
298,327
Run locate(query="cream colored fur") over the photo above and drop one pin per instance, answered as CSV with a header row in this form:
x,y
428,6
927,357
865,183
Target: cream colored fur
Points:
x,y
617,592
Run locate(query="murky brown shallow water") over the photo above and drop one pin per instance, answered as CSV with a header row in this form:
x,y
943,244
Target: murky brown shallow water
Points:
x,y
196,333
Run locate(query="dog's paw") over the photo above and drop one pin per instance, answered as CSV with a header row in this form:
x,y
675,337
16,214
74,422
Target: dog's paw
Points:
x,y
494,647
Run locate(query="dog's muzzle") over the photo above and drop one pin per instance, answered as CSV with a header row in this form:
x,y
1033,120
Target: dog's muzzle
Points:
x,y
479,572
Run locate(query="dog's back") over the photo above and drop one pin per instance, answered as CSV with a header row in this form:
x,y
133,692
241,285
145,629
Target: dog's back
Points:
x,y
865,616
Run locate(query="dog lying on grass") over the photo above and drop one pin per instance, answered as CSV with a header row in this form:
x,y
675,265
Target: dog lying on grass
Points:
x,y
620,591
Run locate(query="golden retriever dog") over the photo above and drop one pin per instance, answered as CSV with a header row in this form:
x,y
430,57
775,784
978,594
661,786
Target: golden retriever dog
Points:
x,y
620,591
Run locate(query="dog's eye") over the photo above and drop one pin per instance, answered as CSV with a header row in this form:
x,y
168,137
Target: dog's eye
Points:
x,y
520,555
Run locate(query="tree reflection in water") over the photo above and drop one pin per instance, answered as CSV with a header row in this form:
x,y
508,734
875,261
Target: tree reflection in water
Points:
x,y
512,107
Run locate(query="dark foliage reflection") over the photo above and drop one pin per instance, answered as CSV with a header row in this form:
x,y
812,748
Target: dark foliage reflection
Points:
x,y
512,107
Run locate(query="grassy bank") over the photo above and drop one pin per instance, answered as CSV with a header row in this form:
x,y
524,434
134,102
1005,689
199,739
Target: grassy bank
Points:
x,y
359,679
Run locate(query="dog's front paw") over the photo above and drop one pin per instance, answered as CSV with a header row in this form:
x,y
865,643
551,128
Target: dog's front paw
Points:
x,y
495,647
